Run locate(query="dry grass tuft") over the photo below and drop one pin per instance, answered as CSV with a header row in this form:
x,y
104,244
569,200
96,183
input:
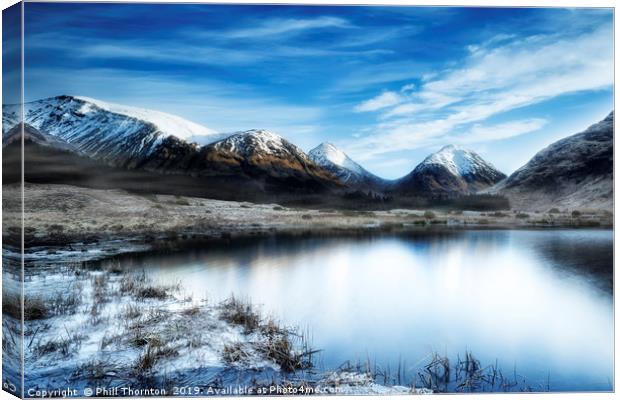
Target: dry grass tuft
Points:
x,y
151,355
240,313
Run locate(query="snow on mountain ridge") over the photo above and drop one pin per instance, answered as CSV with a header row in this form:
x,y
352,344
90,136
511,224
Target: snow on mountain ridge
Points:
x,y
168,124
341,165
253,141
452,170
458,160
77,115
115,134
326,153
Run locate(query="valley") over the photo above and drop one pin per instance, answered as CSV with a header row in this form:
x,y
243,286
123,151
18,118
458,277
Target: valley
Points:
x,y
62,215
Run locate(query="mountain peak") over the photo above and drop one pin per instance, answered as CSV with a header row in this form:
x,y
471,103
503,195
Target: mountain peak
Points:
x,y
328,156
327,151
458,160
327,145
450,147
262,134
255,141
451,170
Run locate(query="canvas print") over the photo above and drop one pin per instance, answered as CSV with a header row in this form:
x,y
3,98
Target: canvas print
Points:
x,y
229,199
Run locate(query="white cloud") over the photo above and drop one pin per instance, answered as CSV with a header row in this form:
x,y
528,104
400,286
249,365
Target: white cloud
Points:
x,y
280,26
480,133
497,76
385,99
377,74
408,88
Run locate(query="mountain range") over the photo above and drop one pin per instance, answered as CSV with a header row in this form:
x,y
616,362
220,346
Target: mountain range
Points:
x,y
164,145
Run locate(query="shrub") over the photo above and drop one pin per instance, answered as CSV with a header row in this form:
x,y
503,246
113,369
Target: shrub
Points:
x,y
576,213
240,313
429,215
234,353
152,292
34,308
151,355
554,210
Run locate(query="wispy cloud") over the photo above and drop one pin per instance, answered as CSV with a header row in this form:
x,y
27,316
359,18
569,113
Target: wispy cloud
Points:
x,y
196,51
480,133
188,54
277,26
378,74
498,76
385,99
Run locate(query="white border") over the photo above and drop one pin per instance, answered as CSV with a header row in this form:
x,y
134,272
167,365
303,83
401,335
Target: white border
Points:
x,y
478,3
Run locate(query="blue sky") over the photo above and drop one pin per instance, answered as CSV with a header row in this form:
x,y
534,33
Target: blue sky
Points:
x,y
388,85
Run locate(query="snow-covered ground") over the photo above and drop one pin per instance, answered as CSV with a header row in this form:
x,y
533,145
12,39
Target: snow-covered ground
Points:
x,y
109,330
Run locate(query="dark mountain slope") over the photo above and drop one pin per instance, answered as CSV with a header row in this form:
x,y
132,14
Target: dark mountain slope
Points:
x,y
575,172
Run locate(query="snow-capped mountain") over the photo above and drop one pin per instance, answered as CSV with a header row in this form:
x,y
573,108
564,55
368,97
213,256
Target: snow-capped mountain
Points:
x,y
342,166
575,172
452,170
260,152
259,143
116,134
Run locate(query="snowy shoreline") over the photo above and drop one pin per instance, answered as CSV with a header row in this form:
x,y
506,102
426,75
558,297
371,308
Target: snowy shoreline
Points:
x,y
108,330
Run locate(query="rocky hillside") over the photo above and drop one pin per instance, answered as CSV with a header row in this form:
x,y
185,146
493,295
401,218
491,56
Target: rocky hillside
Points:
x,y
574,173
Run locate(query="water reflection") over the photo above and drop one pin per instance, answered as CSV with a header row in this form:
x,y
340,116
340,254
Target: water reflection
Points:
x,y
537,300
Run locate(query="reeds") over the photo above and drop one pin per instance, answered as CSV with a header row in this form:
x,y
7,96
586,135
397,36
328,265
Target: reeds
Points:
x,y
240,313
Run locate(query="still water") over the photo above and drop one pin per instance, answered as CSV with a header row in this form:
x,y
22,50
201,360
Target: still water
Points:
x,y
539,302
